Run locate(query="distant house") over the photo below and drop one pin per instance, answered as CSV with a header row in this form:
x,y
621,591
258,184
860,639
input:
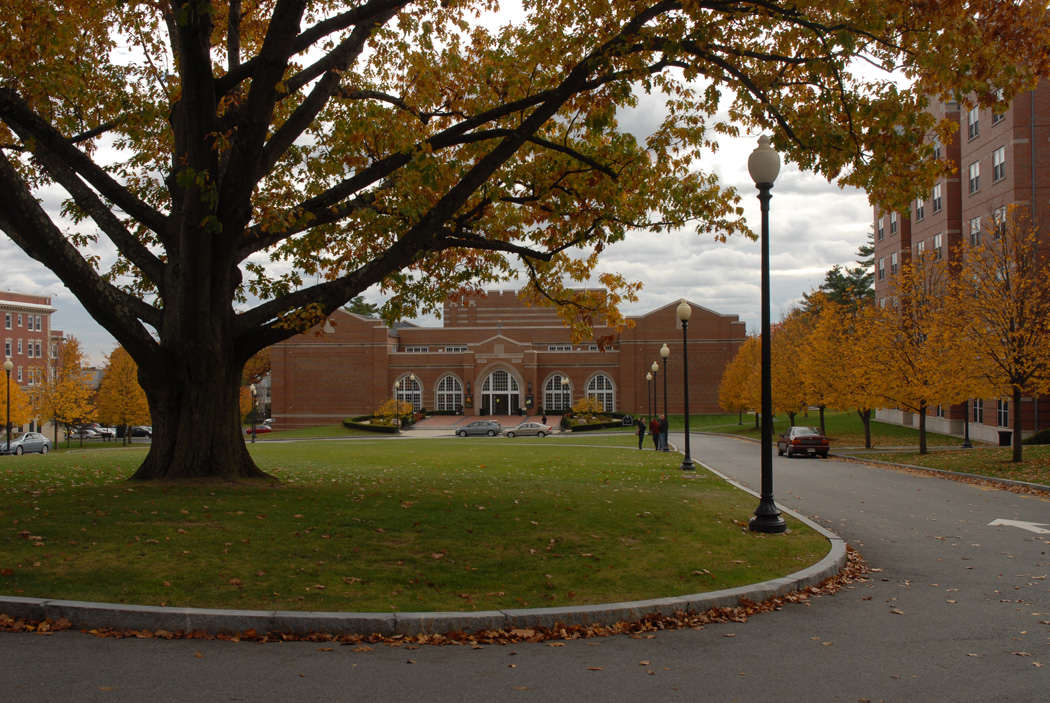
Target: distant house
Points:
x,y
495,356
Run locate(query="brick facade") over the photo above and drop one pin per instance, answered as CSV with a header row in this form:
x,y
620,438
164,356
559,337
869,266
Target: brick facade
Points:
x,y
494,355
25,324
1001,158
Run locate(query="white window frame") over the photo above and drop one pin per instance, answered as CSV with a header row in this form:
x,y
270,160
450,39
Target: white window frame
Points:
x,y
937,252
1002,412
975,177
973,122
975,231
977,411
999,223
920,209
893,223
893,264
999,164
936,198
448,393
601,386
559,347
881,228
556,396
417,349
882,269
455,349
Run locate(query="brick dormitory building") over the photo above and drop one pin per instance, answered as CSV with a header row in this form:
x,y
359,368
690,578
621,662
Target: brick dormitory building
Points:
x,y
29,341
495,356
1001,158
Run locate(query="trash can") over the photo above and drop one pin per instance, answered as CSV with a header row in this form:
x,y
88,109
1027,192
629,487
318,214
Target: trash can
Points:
x,y
1005,438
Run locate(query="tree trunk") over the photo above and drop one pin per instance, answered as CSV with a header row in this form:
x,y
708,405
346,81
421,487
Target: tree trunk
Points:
x,y
821,408
196,419
1017,453
865,418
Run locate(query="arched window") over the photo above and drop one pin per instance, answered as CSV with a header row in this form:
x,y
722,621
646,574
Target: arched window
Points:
x,y
601,387
449,393
557,395
409,391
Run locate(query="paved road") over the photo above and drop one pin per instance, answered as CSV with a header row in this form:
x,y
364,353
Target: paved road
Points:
x,y
957,612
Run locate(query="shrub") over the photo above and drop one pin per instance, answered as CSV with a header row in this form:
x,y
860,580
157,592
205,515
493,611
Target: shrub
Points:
x,y
1040,437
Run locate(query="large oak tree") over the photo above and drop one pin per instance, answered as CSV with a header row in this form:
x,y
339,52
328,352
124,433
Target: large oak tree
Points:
x,y
256,165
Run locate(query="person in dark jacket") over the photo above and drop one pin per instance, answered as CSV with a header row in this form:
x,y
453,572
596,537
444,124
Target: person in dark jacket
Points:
x,y
663,433
654,430
639,430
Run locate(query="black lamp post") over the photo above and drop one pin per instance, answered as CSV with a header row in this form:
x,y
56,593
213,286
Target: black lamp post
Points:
x,y
251,388
8,365
966,427
684,311
664,353
649,393
764,165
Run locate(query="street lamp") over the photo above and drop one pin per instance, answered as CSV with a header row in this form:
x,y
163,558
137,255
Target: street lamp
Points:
x,y
649,394
966,426
252,389
684,311
8,365
764,165
664,353
565,391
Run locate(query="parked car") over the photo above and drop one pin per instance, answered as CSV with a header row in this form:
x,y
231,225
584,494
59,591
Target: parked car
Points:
x,y
28,442
480,428
84,433
803,440
529,429
141,431
259,429
101,430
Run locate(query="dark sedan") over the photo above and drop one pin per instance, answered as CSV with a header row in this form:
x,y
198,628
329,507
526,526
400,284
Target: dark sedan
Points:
x,y
28,442
803,440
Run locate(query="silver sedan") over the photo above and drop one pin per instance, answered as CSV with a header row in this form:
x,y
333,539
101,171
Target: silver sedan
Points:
x,y
529,429
28,442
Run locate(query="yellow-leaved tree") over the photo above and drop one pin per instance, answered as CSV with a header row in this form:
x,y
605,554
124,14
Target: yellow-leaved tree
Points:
x,y
740,388
840,367
1000,302
21,408
64,390
294,154
788,365
915,343
121,400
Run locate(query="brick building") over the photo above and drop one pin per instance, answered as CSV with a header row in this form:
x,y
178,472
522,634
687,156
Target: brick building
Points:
x,y
28,337
493,355
1001,158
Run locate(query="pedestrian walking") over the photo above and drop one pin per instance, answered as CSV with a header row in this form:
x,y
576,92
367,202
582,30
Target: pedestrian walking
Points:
x,y
663,432
639,430
654,430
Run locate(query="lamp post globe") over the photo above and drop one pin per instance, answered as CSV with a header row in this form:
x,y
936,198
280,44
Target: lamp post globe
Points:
x,y
764,166
684,312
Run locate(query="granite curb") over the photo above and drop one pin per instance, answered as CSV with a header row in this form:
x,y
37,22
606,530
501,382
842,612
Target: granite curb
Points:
x,y
89,616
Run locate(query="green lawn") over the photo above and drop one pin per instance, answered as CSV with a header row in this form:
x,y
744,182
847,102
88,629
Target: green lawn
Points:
x,y
382,525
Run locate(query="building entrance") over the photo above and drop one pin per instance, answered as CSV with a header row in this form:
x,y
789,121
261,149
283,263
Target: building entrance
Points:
x,y
500,394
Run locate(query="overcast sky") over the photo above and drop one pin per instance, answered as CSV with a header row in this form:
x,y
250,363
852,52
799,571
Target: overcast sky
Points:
x,y
814,225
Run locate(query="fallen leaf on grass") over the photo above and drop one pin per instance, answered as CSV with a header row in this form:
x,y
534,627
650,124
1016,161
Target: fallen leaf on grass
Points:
x,y
595,668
